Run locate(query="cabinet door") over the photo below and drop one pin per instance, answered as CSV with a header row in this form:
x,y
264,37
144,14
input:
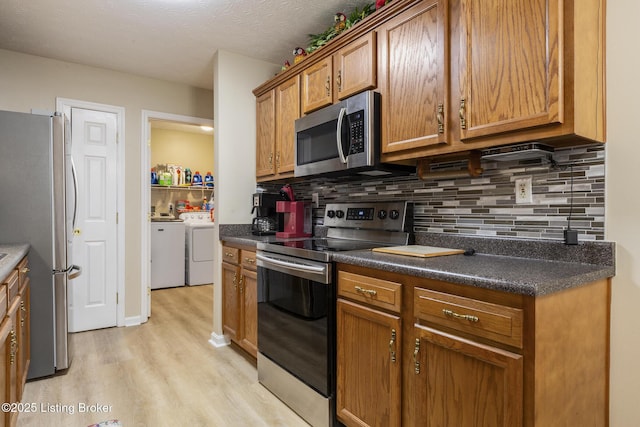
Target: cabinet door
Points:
x,y
5,358
316,86
413,78
14,354
265,134
510,65
368,366
287,111
463,383
249,292
24,336
355,67
231,304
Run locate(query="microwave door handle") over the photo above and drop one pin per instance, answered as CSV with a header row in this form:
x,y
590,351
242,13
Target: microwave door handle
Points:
x,y
343,111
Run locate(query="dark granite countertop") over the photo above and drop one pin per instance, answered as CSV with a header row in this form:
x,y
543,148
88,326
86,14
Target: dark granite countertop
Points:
x,y
522,266
528,276
15,253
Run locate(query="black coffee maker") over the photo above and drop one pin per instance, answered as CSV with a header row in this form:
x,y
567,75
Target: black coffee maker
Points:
x,y
267,220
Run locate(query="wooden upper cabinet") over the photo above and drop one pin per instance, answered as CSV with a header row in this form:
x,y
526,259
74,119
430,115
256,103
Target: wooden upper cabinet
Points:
x,y
265,134
413,78
354,66
287,111
276,112
316,85
511,67
350,70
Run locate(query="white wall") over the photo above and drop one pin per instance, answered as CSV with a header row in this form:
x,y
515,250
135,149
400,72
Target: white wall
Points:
x,y
235,77
28,82
623,207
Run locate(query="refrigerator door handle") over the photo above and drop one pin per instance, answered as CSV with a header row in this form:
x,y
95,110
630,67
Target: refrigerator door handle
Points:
x,y
68,270
77,269
75,192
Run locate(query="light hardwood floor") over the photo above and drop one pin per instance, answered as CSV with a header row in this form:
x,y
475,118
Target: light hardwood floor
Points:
x,y
162,373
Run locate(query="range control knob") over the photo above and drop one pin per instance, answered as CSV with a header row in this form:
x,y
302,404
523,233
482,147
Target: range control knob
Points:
x,y
394,214
382,214
339,213
331,213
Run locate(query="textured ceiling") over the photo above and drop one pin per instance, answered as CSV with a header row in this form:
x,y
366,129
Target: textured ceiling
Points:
x,y
166,39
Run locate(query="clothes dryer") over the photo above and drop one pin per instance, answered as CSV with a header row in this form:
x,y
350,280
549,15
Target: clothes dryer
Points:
x,y
199,248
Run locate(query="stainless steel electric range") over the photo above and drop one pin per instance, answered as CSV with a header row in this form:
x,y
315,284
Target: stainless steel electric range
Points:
x,y
297,299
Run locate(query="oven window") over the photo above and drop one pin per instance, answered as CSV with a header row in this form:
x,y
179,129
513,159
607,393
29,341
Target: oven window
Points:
x,y
317,143
294,326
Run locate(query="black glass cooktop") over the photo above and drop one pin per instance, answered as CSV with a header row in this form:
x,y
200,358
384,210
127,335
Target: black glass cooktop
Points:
x,y
328,245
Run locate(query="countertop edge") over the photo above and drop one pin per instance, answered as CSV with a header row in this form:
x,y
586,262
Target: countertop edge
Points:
x,y
582,274
15,253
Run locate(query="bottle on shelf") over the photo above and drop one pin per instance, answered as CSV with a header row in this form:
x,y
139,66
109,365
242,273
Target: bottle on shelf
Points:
x,y
208,179
187,176
197,179
154,176
204,204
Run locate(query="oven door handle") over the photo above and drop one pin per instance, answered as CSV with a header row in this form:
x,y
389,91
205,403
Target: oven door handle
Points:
x,y
293,266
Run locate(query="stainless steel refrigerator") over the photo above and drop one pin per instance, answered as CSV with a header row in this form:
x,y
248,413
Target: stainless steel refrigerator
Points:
x,y
39,199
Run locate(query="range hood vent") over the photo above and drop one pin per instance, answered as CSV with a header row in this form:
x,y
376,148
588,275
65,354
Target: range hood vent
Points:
x,y
528,151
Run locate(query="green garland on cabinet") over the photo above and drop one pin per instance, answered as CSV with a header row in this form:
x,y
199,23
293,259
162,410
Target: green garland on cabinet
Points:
x,y
341,23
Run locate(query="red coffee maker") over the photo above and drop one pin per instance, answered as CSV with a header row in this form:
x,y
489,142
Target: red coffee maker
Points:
x,y
297,219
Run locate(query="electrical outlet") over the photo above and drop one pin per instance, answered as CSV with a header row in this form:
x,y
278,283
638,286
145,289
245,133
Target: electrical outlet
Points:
x,y
314,199
523,190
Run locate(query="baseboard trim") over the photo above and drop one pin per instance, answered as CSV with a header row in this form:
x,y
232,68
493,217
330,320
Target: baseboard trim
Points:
x,y
219,340
133,321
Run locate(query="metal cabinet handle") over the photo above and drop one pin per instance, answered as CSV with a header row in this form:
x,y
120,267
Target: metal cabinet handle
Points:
x,y
416,362
327,85
14,347
240,283
278,159
364,291
235,279
391,344
250,260
229,254
271,159
339,80
440,117
463,108
23,310
25,270
455,315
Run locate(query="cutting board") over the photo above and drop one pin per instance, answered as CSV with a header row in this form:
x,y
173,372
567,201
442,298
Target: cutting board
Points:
x,y
418,250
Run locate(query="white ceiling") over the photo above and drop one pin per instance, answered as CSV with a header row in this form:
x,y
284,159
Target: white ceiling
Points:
x,y
171,40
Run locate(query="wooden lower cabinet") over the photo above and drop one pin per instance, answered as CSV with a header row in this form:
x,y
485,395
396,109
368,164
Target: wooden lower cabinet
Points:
x,y
467,356
463,383
15,336
240,297
368,366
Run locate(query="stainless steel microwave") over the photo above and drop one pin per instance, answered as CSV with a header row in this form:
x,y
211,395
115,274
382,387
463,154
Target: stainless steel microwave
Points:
x,y
341,139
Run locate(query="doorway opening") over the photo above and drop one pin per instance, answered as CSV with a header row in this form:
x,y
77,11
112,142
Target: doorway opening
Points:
x,y
171,143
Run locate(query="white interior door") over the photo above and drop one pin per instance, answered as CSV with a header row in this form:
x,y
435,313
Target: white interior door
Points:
x,y
93,296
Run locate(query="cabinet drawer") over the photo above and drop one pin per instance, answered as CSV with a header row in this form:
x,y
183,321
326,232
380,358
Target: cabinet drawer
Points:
x,y
492,321
230,254
23,270
248,259
3,301
12,286
375,292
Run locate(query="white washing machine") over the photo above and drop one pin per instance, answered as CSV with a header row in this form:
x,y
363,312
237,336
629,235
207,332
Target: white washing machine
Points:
x,y
199,248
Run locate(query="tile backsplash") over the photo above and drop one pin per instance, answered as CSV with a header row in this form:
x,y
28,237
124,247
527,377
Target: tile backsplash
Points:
x,y
485,206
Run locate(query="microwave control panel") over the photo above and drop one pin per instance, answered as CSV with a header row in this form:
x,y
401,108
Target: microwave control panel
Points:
x,y
356,132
